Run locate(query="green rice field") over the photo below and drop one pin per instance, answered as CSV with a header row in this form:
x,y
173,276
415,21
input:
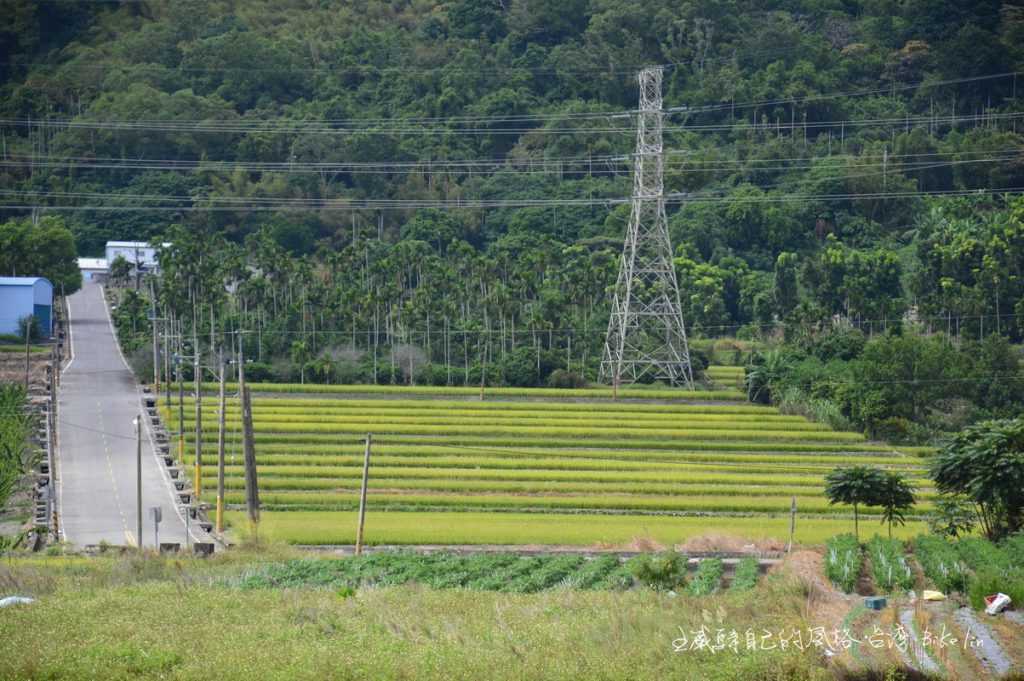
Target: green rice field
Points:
x,y
534,465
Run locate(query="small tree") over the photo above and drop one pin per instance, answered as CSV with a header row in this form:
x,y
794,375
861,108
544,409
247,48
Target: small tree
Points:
x,y
985,463
895,495
120,270
854,485
301,356
29,328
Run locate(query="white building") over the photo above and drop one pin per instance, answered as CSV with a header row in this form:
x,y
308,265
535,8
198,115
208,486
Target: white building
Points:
x,y
138,253
93,269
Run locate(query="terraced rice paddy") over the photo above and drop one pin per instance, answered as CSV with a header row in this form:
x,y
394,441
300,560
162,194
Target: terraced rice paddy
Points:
x,y
538,454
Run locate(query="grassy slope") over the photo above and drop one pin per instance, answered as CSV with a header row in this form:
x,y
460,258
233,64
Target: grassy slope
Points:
x,y
174,619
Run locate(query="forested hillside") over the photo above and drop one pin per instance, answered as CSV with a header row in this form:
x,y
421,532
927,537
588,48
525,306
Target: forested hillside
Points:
x,y
451,180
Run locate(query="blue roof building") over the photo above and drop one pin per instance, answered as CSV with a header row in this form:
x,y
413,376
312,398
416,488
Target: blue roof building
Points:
x,y
24,296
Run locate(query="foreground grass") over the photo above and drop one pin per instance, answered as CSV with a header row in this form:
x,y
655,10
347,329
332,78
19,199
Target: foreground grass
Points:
x,y
133,619
338,527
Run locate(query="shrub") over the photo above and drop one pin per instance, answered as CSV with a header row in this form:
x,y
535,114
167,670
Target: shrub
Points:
x,y
745,577
980,553
843,561
941,564
1014,548
991,581
560,378
258,371
663,571
708,577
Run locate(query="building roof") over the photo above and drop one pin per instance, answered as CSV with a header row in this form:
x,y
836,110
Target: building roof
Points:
x,y
92,263
128,244
22,281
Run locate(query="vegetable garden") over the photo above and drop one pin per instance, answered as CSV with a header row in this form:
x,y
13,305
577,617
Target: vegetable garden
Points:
x,y
654,455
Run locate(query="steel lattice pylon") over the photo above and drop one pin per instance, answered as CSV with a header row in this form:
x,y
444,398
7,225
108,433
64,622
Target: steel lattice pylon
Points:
x,y
646,336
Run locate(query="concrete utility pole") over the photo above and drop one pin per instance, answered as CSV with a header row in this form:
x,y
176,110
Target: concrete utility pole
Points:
x,y
138,479
252,493
156,351
27,329
167,361
646,336
181,406
198,376
362,495
220,444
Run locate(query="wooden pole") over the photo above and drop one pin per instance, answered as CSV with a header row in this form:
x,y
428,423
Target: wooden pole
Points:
x,y
362,496
220,447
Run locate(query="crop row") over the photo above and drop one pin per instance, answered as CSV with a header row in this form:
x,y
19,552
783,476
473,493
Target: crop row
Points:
x,y
312,465
843,561
538,487
616,451
596,502
631,392
275,422
941,563
557,407
487,527
611,431
851,448
320,414
492,572
314,479
889,566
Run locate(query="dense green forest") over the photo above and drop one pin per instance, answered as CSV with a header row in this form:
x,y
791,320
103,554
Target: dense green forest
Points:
x,y
385,185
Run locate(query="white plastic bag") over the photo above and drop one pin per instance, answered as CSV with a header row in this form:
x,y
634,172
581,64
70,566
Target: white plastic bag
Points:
x,y
997,603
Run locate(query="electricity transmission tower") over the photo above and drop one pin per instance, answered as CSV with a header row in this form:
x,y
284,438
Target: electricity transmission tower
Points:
x,y
646,336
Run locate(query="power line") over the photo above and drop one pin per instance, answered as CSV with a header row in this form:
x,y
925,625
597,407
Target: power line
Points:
x,y
564,330
400,127
569,165
242,204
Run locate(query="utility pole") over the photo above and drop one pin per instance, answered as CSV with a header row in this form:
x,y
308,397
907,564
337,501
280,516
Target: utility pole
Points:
x,y
138,479
29,323
167,360
362,495
181,407
137,266
156,352
252,494
198,376
646,335
220,444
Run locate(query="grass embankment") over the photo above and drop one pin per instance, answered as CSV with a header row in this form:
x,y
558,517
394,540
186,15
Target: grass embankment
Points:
x,y
554,458
123,618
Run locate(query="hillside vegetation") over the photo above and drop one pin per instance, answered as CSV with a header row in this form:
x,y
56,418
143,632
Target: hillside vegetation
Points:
x,y
436,193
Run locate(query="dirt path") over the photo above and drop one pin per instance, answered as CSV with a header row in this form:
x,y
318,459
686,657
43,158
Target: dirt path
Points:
x,y
989,653
924,662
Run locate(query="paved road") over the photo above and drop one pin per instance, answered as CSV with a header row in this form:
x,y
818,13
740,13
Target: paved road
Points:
x,y
96,461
